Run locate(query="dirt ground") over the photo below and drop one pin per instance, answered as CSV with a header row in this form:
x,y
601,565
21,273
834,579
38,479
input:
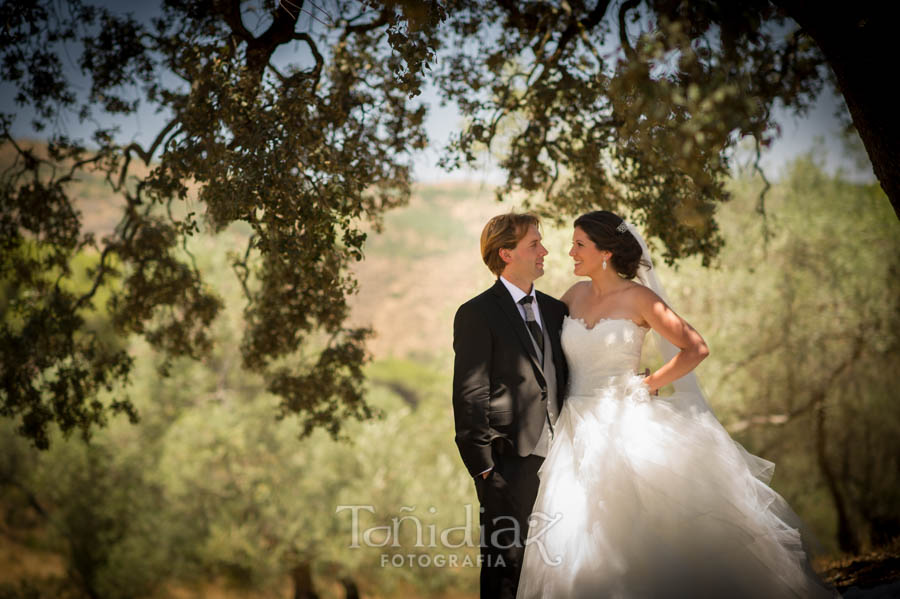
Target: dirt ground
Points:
x,y
874,575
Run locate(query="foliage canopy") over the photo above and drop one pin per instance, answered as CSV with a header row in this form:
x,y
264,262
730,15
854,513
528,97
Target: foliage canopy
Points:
x,y
636,105
299,120
306,154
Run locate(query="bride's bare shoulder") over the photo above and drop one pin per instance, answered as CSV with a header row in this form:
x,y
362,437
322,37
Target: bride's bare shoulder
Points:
x,y
641,295
574,292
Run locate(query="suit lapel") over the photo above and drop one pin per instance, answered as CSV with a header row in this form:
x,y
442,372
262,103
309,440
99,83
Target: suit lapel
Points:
x,y
553,320
517,323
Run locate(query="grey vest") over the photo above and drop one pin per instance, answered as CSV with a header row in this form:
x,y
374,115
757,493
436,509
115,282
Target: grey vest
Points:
x,y
549,370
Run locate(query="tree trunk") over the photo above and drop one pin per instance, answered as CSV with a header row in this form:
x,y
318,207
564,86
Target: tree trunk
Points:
x,y
847,539
859,43
351,591
301,574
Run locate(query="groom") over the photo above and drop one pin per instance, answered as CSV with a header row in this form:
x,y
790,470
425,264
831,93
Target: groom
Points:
x,y
509,377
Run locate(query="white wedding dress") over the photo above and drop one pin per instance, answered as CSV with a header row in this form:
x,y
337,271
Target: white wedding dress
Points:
x,y
646,497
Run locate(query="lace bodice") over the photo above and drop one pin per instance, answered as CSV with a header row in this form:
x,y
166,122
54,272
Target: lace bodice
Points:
x,y
611,348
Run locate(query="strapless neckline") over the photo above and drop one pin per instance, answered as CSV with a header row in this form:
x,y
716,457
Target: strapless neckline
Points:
x,y
585,326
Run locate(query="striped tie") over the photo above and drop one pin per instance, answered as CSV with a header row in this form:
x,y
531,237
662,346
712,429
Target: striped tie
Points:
x,y
533,326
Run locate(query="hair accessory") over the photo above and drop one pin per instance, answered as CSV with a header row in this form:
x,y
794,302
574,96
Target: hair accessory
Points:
x,y
623,226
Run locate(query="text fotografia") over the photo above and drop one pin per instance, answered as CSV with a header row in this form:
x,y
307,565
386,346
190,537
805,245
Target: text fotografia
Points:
x,y
440,560
505,535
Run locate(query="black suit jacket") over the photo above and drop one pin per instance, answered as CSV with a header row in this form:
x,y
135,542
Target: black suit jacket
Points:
x,y
499,390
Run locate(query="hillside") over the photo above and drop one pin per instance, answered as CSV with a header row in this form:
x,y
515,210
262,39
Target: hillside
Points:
x,y
421,267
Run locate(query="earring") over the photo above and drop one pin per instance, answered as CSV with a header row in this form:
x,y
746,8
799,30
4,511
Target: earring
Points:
x,y
604,265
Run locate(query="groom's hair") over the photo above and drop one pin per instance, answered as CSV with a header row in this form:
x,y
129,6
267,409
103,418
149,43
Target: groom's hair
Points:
x,y
504,231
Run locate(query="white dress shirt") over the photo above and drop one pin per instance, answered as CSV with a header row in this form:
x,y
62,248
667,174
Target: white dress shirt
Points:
x,y
517,294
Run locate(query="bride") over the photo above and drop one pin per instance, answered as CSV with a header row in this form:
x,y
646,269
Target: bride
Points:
x,y
642,496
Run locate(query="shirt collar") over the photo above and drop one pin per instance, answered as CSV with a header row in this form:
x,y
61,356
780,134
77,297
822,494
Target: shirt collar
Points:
x,y
516,293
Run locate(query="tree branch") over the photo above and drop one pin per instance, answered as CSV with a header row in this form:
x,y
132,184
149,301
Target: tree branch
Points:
x,y
381,21
623,31
29,496
517,18
761,201
231,14
815,402
147,155
575,27
316,72
592,19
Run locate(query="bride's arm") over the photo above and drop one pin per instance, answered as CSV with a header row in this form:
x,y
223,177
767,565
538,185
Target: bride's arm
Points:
x,y
677,331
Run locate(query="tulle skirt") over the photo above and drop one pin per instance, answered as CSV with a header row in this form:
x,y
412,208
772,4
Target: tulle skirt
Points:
x,y
644,497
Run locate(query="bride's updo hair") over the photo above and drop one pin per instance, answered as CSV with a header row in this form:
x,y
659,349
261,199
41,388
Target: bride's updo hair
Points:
x,y
601,227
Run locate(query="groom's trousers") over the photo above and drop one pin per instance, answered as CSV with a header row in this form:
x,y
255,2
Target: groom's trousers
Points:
x,y
506,496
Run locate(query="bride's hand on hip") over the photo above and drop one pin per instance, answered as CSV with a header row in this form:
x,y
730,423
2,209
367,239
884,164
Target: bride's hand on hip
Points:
x,y
650,389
